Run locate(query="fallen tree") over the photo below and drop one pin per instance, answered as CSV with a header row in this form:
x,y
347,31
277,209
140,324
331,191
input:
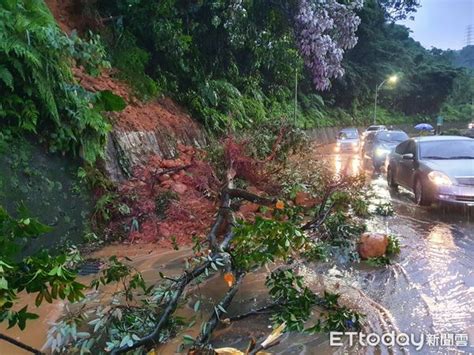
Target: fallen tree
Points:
x,y
280,233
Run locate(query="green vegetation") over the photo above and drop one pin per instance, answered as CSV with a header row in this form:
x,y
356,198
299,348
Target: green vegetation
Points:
x,y
427,79
48,277
384,209
463,58
48,185
296,302
238,71
39,94
235,68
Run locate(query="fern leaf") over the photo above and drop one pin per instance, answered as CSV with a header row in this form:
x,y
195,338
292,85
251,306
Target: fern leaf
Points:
x,y
6,77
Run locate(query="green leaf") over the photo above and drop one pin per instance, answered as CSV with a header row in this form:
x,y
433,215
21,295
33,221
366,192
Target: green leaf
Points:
x,y
221,308
3,283
188,339
39,299
6,77
54,271
197,305
108,101
125,340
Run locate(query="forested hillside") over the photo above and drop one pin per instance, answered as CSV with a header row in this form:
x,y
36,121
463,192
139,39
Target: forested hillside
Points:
x,y
244,62
179,123
427,79
241,62
463,57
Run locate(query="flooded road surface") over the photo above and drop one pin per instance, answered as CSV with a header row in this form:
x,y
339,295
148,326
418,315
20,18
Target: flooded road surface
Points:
x,y
428,289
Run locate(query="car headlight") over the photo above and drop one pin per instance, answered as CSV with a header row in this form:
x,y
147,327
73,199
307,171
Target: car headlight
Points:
x,y
439,179
381,151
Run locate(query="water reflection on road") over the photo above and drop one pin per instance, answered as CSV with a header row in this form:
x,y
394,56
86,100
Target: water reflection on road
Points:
x,y
431,288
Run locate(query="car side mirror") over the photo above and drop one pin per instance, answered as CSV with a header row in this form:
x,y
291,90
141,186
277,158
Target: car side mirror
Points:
x,y
408,156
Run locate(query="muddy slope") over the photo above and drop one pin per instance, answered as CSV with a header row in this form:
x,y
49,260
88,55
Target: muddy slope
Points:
x,y
142,129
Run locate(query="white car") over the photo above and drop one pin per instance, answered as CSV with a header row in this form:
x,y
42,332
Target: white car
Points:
x,y
373,128
347,140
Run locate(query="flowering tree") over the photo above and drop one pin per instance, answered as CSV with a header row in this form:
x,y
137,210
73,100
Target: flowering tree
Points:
x,y
324,29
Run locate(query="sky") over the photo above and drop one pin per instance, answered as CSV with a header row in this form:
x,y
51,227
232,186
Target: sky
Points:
x,y
442,23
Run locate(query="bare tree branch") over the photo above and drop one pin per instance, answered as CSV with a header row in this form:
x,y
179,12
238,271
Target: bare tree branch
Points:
x,y
262,310
239,193
20,344
224,303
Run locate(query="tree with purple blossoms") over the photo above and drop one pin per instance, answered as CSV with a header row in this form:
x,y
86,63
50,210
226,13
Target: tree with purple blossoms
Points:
x,y
238,58
325,29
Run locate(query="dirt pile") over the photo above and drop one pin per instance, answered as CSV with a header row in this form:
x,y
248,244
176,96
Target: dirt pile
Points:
x,y
71,15
174,201
170,200
142,129
155,115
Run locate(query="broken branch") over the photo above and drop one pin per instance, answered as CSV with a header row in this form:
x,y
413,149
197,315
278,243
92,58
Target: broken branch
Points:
x,y
218,310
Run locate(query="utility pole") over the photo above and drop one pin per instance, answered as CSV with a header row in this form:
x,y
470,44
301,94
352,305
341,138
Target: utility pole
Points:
x,y
375,104
296,93
393,79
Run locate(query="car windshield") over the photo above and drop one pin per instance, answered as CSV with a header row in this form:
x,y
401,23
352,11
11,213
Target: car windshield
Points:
x,y
394,137
460,149
348,135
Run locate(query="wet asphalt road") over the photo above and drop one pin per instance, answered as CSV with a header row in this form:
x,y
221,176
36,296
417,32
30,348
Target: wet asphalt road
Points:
x,y
430,289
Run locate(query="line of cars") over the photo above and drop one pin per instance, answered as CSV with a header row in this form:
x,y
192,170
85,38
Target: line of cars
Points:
x,y
435,168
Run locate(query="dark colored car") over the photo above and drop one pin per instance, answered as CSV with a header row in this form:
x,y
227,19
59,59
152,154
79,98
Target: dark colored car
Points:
x,y
379,144
373,128
435,168
348,140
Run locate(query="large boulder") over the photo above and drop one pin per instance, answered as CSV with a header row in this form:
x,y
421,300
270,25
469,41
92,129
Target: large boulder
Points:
x,y
372,245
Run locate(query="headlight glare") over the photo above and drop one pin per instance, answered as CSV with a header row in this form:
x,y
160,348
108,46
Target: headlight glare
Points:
x,y
381,151
439,179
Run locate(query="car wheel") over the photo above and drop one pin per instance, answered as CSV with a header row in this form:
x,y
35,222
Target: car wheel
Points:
x,y
391,180
421,197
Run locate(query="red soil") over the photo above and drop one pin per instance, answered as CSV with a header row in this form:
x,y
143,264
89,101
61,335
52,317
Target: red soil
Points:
x,y
190,213
69,15
193,211
138,116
